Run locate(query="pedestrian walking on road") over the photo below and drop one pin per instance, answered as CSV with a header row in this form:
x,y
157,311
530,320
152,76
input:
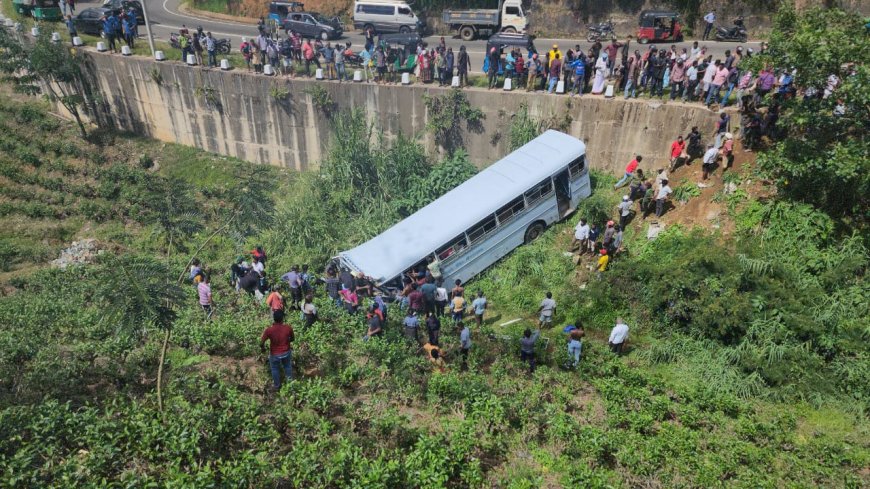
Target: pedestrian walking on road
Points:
x,y
709,19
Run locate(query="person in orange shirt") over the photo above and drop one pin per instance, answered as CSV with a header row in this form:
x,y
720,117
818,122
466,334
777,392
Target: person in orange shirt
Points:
x,y
433,354
275,300
678,147
629,171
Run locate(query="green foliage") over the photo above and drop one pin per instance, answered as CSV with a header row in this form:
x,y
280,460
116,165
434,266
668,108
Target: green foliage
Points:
x,y
45,67
364,185
443,177
209,95
321,99
523,128
279,92
449,116
823,158
746,365
685,191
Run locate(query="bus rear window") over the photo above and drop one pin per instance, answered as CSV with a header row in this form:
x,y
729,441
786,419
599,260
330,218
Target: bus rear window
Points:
x,y
508,212
455,246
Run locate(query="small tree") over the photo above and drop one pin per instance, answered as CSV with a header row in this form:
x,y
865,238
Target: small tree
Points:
x,y
823,157
446,114
44,68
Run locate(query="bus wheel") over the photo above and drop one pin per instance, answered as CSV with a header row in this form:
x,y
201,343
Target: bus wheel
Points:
x,y
534,231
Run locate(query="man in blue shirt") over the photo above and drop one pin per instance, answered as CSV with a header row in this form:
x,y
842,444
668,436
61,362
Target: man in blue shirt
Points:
x,y
465,344
411,324
210,47
110,29
579,66
479,305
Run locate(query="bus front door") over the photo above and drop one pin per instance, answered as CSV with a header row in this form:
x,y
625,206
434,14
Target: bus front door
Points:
x,y
563,194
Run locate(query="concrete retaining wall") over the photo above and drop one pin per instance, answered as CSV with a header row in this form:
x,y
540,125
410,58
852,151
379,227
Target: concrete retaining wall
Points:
x,y
235,113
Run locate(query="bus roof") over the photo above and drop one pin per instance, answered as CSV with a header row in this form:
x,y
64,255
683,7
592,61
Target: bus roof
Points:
x,y
400,247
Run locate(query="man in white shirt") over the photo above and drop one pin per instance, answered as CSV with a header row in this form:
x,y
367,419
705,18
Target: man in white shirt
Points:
x,y
708,162
624,211
548,307
662,197
581,236
709,19
618,336
695,50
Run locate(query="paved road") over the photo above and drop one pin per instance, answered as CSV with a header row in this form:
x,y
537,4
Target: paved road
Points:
x,y
165,18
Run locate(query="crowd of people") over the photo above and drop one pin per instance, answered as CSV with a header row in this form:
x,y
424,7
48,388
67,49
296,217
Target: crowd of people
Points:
x,y
197,43
117,28
425,304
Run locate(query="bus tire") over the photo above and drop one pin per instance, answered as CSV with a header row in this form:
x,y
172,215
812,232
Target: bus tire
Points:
x,y
534,231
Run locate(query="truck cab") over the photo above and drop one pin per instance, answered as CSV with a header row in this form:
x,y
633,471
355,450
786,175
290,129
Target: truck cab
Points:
x,y
513,19
508,18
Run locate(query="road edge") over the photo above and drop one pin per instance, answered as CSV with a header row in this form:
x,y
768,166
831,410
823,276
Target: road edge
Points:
x,y
184,8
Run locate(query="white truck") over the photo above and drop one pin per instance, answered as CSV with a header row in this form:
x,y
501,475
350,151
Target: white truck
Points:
x,y
509,17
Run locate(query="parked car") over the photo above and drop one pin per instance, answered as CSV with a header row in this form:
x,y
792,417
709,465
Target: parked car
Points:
x,y
313,25
384,16
89,20
126,5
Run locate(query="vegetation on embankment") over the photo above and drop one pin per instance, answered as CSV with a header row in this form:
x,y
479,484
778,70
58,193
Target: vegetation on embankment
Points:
x,y
747,367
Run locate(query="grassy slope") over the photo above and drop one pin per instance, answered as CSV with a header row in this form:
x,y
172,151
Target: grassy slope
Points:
x,y
369,411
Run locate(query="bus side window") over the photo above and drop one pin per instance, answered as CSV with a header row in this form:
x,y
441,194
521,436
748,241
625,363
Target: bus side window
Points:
x,y
577,167
455,246
481,229
539,191
507,212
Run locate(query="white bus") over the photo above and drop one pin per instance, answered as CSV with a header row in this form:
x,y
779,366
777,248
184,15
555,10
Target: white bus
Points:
x,y
471,227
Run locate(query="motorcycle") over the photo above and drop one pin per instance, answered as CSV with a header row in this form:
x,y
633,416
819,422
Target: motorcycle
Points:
x,y
222,46
736,33
598,32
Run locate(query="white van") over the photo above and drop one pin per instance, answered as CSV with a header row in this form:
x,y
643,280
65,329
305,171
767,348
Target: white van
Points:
x,y
385,16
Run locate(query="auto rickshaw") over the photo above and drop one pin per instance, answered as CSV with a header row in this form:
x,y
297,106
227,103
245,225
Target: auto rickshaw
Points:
x,y
659,26
39,9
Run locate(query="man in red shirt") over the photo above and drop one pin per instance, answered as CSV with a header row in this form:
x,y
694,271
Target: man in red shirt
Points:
x,y
629,170
677,148
280,336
